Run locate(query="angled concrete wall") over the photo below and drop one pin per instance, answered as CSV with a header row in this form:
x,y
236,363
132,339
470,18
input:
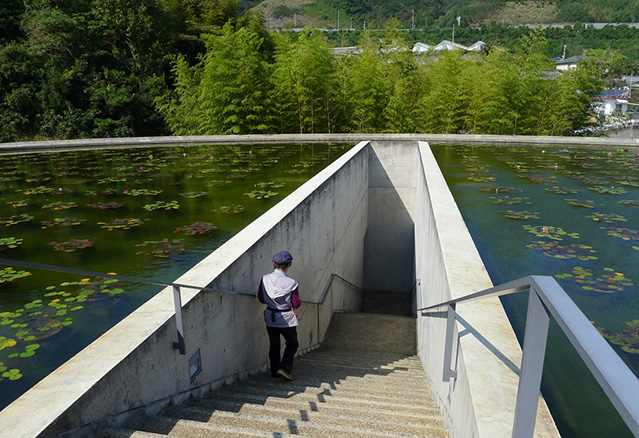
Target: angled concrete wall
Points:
x,y
480,402
134,364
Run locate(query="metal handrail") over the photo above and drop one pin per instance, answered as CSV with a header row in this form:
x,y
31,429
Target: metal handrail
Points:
x,y
548,298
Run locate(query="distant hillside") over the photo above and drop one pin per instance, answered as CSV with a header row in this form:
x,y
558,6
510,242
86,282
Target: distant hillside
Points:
x,y
374,13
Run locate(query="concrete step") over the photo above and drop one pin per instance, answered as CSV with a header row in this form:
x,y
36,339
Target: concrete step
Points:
x,y
257,395
337,426
362,392
414,425
240,404
175,427
130,433
337,357
369,332
306,385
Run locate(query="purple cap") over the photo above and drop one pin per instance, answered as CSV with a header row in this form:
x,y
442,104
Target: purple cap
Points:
x,y
283,258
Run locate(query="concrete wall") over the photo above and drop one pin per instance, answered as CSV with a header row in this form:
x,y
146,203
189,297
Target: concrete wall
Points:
x,y
480,402
322,224
389,244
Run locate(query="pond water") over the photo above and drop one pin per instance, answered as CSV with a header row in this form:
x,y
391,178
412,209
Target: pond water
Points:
x,y
572,214
151,213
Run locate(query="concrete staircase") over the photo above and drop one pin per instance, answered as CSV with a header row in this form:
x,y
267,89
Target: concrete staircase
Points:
x,y
365,382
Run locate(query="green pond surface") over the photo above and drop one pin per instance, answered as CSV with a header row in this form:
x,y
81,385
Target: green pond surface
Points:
x,y
150,213
568,213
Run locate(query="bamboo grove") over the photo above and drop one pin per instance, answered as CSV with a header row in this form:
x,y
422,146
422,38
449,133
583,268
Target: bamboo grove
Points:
x,y
83,68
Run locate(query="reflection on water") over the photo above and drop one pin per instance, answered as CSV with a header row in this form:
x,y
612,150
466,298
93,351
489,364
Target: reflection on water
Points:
x,y
150,213
572,214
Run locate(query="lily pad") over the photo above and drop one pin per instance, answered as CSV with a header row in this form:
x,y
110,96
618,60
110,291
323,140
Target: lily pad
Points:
x,y
552,248
62,222
8,221
142,192
232,209
608,218
162,248
481,177
106,205
197,228
607,190
193,194
121,224
500,189
549,232
580,203
520,215
60,205
629,203
623,233
627,340
162,205
261,194
72,245
610,281
9,242
10,274
12,374
561,190
6,342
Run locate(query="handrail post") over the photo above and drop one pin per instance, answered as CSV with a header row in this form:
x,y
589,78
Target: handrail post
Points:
x,y
532,363
177,299
448,349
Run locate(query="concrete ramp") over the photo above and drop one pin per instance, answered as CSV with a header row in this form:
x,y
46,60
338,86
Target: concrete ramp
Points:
x,y
360,384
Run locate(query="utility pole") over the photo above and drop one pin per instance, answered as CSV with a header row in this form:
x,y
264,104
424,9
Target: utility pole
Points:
x,y
453,32
412,21
338,19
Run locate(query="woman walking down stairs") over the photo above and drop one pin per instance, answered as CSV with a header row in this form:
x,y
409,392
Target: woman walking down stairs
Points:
x,y
357,385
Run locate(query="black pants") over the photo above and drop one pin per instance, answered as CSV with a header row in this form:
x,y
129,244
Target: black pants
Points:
x,y
290,336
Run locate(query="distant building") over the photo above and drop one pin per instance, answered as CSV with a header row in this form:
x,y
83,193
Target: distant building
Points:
x,y
567,63
346,51
421,48
613,101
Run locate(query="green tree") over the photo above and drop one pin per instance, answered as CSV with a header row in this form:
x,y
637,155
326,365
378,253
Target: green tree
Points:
x,y
303,79
226,93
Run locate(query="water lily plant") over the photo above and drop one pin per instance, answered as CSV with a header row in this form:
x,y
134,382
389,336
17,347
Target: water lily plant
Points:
x,y
8,221
627,340
62,222
72,245
196,228
520,215
609,281
106,205
9,242
232,209
162,248
121,224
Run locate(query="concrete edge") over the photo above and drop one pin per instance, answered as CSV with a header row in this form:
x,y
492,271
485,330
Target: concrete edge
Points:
x,y
128,142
